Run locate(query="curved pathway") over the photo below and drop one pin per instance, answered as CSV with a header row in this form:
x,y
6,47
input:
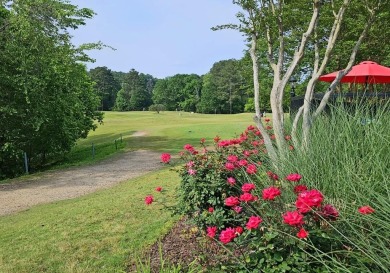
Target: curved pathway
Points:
x,y
51,186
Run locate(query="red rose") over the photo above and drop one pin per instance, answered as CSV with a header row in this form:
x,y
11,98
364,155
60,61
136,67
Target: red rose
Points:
x,y
291,148
165,158
253,222
216,139
268,127
251,169
242,163
159,189
232,201
239,230
247,197
366,210
148,199
232,158
293,177
293,218
300,188
302,234
270,193
229,166
246,153
227,235
250,128
211,209
247,187
329,212
231,181
267,120
211,231
287,137
202,140
188,147
308,199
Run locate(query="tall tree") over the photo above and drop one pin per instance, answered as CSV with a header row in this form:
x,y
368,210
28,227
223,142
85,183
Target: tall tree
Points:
x,y
46,101
223,90
105,86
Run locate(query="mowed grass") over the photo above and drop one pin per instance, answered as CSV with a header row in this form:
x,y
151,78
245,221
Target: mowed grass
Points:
x,y
167,131
106,230
100,232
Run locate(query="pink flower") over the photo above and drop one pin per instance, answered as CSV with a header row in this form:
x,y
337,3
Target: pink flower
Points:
x,y
300,188
232,158
329,212
148,199
191,171
247,187
251,169
229,166
211,231
293,177
159,189
250,128
242,163
291,148
227,235
202,140
246,153
271,193
293,218
188,147
231,181
287,137
253,222
308,199
190,164
211,209
239,230
165,158
232,201
366,210
302,234
237,209
247,197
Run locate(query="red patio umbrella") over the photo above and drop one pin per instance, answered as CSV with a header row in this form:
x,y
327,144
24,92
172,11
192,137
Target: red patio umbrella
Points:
x,y
367,72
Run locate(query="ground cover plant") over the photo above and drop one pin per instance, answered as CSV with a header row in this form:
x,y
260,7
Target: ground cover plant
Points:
x,y
323,210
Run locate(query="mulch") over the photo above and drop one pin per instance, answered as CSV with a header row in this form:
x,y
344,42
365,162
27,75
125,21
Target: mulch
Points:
x,y
183,245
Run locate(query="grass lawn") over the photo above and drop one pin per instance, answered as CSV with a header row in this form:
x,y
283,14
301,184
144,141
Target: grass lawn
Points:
x,y
167,131
100,232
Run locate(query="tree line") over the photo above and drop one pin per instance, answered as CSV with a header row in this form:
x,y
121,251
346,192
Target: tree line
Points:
x,y
226,89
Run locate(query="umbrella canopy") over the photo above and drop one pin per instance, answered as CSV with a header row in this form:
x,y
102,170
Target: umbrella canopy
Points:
x,y
367,72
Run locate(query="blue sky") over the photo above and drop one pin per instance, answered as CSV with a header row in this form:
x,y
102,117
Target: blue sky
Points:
x,y
161,37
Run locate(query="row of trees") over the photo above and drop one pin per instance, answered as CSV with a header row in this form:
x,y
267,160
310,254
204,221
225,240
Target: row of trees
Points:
x,y
47,100
227,88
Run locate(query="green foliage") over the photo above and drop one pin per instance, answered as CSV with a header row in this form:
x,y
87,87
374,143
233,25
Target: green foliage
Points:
x,y
157,108
47,100
136,92
223,89
105,86
179,92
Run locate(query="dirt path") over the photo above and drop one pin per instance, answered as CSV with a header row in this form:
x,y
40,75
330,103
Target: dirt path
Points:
x,y
51,186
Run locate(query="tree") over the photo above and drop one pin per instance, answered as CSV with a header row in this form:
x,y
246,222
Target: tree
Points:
x,y
105,86
47,100
287,35
181,91
223,90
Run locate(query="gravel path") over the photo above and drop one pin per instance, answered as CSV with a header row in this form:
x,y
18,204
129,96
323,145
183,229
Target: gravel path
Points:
x,y
51,186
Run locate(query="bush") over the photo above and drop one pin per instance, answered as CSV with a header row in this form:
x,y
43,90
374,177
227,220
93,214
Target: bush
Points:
x,y
157,108
312,216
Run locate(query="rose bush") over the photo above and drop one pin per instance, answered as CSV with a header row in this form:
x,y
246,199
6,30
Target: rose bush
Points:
x,y
290,228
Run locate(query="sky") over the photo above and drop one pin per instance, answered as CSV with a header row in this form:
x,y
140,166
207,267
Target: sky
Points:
x,y
160,37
